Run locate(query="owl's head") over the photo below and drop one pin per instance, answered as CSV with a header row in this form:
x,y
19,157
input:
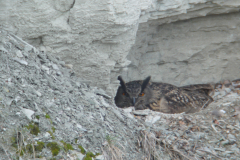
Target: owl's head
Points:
x,y
131,93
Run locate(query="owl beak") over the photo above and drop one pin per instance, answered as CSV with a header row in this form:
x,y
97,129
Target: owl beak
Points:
x,y
134,100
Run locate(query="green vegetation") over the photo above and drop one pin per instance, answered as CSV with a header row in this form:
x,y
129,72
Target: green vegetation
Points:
x,y
53,137
54,148
34,129
110,139
53,129
29,148
87,158
14,142
66,146
82,149
37,116
40,146
90,155
47,116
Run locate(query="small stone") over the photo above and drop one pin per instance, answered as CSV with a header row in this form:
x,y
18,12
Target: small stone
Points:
x,y
228,90
38,93
225,142
142,112
220,149
61,63
103,102
216,94
230,127
28,48
46,135
100,157
128,110
80,156
59,73
19,54
20,61
228,152
48,49
55,67
152,119
25,54
9,102
81,128
42,49
218,113
102,93
69,66
230,136
45,68
226,104
28,113
3,49
118,114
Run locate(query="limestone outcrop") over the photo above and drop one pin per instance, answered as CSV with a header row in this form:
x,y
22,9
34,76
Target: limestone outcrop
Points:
x,y
179,41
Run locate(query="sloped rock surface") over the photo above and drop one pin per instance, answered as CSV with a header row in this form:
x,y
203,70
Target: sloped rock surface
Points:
x,y
43,103
35,89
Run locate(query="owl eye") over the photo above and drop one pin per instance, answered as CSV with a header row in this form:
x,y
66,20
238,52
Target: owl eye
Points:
x,y
141,94
123,94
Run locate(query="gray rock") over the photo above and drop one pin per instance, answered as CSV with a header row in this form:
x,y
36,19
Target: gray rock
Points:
x,y
20,61
100,157
141,112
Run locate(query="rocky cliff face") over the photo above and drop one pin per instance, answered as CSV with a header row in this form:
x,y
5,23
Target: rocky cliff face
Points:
x,y
179,41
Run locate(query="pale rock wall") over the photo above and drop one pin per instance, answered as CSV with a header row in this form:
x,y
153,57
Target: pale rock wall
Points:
x,y
94,36
187,42
135,38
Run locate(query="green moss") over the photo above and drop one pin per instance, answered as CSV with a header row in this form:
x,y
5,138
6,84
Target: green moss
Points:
x,y
89,156
97,154
21,153
82,149
76,140
47,116
110,139
34,129
39,156
39,147
14,142
38,117
29,148
54,148
53,129
53,137
52,159
66,146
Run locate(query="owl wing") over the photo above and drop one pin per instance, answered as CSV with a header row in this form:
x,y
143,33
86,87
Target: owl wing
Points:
x,y
179,100
203,88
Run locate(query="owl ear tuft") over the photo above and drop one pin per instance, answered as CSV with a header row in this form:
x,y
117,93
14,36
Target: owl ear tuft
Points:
x,y
145,83
122,83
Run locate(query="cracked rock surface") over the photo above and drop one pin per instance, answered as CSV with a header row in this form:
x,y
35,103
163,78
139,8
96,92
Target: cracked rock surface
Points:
x,y
43,104
36,88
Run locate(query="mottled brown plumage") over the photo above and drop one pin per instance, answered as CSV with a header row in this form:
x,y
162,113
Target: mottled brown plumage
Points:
x,y
163,97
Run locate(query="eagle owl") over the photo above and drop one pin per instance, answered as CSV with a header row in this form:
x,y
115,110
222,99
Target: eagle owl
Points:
x,y
163,97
